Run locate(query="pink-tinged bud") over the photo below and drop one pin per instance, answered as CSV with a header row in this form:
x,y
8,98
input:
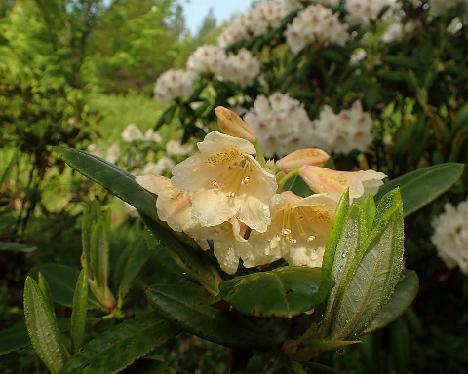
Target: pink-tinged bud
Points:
x,y
302,157
359,183
231,124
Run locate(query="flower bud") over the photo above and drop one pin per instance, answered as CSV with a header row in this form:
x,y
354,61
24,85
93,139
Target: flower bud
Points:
x,y
231,124
302,157
359,183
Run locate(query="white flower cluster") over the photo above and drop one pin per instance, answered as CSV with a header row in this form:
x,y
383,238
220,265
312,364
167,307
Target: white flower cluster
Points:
x,y
290,5
345,131
222,194
256,21
173,84
241,68
206,59
365,11
451,236
176,148
315,25
281,123
132,133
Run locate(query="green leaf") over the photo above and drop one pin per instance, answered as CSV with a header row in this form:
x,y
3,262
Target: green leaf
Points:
x,y
62,280
16,336
284,292
350,242
418,188
16,247
99,252
42,326
374,279
298,186
188,305
45,288
119,346
335,231
79,311
129,264
114,179
195,264
405,292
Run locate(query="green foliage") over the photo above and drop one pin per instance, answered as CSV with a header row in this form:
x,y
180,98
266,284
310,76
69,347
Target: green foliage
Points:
x,y
420,187
405,292
42,326
62,280
366,284
285,292
79,311
189,306
118,347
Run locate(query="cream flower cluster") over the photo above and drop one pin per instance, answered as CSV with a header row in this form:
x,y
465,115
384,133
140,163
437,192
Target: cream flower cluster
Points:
x,y
206,59
315,25
226,196
241,68
343,132
290,5
365,11
281,124
451,236
132,133
173,84
265,16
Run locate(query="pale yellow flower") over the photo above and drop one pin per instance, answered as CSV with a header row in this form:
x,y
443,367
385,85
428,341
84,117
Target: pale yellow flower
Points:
x,y
226,182
230,123
298,231
174,206
304,156
360,183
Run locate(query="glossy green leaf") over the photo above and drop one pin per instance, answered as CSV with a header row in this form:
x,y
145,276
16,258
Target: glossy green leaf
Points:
x,y
335,231
116,180
189,306
195,264
119,346
62,280
402,297
373,280
16,337
350,242
79,311
42,326
16,247
283,292
418,188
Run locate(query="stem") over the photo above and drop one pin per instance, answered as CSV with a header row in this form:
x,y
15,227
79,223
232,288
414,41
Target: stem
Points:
x,y
259,154
288,176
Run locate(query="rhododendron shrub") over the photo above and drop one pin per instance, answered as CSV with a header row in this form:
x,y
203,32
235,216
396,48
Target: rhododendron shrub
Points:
x,y
242,257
